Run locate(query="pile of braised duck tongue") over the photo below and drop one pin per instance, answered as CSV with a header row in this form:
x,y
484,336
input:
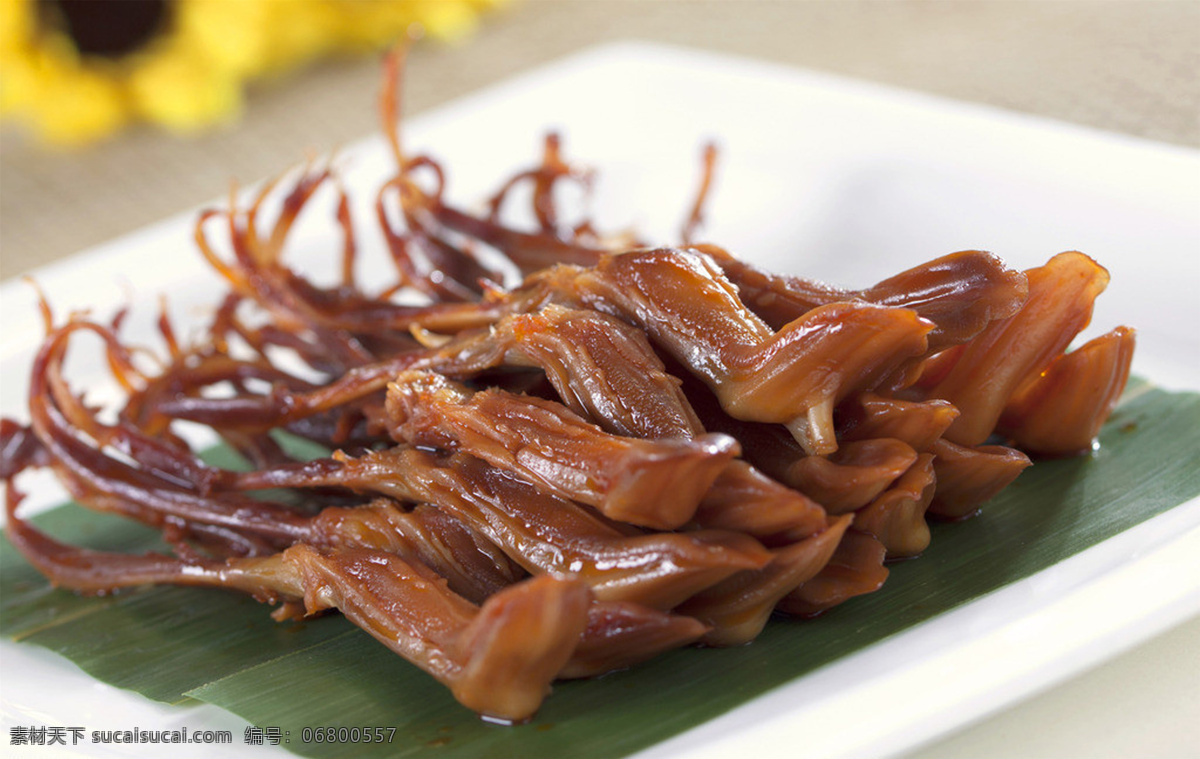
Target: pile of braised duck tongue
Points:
x,y
630,450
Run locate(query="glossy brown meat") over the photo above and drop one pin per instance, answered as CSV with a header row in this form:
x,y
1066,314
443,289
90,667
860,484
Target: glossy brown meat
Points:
x,y
617,634
741,500
472,566
768,447
793,377
425,261
603,369
497,659
166,488
621,634
1061,411
650,483
968,477
960,293
871,416
539,531
607,371
179,394
990,368
856,568
746,500
20,449
738,608
896,518
854,475
155,484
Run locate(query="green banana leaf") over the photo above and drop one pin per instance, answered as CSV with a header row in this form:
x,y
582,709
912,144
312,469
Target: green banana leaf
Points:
x,y
174,644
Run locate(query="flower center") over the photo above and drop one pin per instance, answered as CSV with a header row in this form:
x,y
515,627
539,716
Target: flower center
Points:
x,y
107,28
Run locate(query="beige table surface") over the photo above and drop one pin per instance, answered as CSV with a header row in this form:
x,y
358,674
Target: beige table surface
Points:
x,y
1129,67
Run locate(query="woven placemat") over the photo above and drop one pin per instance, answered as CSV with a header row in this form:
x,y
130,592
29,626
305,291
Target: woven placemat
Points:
x,y
1123,66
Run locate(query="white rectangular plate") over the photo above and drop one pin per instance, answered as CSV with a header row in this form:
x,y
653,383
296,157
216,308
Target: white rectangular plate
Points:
x,y
820,176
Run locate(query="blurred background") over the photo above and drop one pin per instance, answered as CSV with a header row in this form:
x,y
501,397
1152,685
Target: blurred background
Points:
x,y
80,168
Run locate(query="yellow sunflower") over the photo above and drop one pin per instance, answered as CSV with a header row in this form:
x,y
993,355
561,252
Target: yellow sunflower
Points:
x,y
77,70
